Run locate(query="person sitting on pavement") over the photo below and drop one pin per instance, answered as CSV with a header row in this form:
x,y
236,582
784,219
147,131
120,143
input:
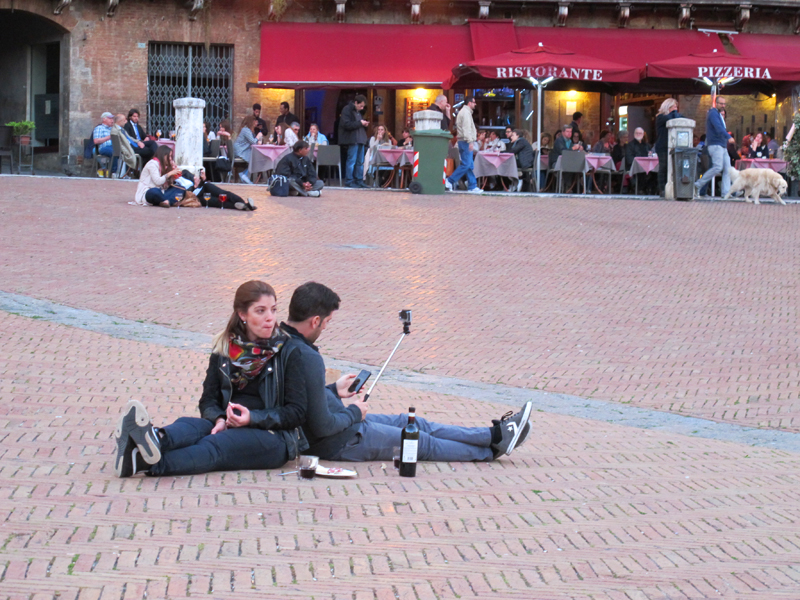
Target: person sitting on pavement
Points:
x,y
249,418
286,115
523,152
155,182
494,143
638,148
290,135
299,170
262,126
134,128
351,433
209,195
315,137
242,147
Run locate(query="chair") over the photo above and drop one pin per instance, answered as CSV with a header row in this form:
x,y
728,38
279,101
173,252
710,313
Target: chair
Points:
x,y
235,162
116,153
6,135
100,162
330,156
210,161
613,173
572,161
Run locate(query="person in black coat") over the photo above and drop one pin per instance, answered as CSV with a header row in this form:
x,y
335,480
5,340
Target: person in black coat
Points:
x,y
523,152
667,112
353,136
286,116
638,147
250,414
299,170
441,105
133,128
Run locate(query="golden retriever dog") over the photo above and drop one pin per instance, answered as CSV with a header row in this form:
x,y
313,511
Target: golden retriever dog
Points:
x,y
757,182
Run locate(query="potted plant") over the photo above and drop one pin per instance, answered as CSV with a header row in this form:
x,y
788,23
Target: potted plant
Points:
x,y
22,131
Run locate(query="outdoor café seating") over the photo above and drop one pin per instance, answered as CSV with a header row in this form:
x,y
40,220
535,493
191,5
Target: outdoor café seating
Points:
x,y
573,162
330,156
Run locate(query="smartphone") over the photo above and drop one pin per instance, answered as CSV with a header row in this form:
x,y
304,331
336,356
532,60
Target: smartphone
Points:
x,y
359,381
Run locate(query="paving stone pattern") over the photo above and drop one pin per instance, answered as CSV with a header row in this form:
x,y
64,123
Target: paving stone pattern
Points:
x,y
684,307
583,510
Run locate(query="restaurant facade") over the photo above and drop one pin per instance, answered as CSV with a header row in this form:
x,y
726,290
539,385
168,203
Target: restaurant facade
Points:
x,y
67,61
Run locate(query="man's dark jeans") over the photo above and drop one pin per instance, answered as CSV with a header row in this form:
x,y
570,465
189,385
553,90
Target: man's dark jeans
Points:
x,y
354,167
188,448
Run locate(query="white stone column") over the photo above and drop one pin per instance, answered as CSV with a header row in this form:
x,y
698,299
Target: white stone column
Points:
x,y
680,133
189,129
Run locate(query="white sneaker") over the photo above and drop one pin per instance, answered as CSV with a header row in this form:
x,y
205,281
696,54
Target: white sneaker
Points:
x,y
476,190
519,185
245,179
314,193
447,185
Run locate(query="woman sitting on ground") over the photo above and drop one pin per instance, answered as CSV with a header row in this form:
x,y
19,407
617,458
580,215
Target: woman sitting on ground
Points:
x,y
242,147
315,137
155,182
248,418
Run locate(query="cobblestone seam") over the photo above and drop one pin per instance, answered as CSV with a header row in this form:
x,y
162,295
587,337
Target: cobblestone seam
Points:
x,y
563,404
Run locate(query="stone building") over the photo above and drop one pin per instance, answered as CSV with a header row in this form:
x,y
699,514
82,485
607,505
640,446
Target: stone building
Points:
x,y
64,62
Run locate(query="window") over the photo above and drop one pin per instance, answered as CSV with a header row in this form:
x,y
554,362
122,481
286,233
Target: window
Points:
x,y
188,70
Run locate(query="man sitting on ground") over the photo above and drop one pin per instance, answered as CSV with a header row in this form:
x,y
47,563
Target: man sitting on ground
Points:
x,y
298,169
339,432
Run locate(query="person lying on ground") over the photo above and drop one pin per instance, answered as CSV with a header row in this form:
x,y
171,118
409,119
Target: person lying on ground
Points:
x,y
351,433
250,412
209,194
298,169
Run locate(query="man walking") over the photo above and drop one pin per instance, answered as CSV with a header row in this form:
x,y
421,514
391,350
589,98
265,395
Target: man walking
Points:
x,y
467,135
353,136
352,433
717,137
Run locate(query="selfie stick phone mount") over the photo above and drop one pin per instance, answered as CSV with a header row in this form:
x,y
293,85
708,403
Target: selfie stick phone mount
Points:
x,y
405,318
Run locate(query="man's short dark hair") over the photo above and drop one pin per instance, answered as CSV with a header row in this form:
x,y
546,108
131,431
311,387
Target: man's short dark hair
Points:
x,y
256,106
577,115
133,111
360,98
468,99
312,299
285,105
299,145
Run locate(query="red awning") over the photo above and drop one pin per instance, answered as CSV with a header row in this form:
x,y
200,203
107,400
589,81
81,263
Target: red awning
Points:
x,y
636,47
336,55
490,38
721,65
760,45
541,62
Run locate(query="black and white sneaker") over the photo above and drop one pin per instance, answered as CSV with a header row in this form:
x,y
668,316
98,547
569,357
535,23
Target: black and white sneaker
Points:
x,y
134,424
526,429
512,427
250,204
123,465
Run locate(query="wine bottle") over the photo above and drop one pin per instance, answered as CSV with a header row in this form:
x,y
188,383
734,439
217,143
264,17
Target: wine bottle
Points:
x,y
409,442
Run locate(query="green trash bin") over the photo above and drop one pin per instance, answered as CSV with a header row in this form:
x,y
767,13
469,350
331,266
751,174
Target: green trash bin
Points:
x,y
432,145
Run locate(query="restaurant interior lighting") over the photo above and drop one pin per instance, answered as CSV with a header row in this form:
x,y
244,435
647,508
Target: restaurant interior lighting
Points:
x,y
572,94
623,111
420,94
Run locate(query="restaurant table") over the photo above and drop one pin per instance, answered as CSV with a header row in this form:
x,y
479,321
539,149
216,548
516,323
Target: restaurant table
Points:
x,y
265,157
495,164
642,164
394,157
779,166
593,163
167,142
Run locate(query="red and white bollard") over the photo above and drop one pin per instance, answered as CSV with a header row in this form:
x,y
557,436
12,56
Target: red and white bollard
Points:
x,y
416,164
444,173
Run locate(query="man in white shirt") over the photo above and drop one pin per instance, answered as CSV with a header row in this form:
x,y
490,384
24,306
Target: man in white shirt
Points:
x,y
467,135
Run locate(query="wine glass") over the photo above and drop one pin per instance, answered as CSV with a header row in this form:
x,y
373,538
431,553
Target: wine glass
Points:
x,y
222,199
172,134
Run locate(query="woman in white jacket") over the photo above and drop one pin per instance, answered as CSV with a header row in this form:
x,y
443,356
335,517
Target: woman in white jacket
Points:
x,y
154,182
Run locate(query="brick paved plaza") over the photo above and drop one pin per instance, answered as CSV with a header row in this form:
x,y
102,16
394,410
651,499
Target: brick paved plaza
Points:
x,y
687,309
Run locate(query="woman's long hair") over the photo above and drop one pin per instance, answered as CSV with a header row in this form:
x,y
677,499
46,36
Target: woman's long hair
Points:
x,y
248,294
249,122
667,106
162,156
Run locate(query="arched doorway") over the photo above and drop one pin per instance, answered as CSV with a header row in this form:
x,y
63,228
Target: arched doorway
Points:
x,y
33,76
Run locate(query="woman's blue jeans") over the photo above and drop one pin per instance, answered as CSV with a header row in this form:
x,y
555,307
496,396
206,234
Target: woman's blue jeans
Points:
x,y
188,448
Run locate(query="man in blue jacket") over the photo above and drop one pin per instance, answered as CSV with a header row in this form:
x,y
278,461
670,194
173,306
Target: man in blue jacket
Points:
x,y
717,137
351,433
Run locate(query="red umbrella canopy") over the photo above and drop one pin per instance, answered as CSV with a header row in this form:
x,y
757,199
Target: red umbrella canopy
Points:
x,y
720,66
540,62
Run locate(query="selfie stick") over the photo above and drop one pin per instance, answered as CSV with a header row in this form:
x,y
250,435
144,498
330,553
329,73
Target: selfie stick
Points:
x,y
406,319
